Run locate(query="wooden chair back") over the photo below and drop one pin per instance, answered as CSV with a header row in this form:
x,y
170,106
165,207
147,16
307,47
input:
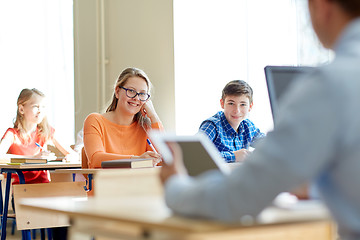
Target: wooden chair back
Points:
x,y
84,159
30,219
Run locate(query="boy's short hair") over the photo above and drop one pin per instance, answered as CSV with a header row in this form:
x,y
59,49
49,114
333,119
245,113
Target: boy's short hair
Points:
x,y
237,88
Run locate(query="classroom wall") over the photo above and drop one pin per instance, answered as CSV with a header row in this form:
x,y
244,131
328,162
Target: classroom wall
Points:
x,y
111,35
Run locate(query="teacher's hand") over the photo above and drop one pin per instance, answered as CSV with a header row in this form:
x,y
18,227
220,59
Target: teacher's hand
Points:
x,y
176,167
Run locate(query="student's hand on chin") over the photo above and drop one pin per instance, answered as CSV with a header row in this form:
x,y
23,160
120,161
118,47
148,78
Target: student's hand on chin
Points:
x,y
148,108
176,167
143,111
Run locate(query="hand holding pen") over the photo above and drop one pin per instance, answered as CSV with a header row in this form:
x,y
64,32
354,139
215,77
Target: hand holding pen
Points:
x,y
45,153
152,147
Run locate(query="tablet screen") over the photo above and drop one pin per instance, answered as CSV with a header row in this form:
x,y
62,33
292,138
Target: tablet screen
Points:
x,y
196,158
199,153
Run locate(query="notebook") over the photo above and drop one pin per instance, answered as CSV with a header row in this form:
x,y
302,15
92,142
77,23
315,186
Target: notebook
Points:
x,y
278,79
199,152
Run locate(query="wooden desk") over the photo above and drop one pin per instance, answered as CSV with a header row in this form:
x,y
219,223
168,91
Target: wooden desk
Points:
x,y
90,172
93,172
148,217
80,170
40,166
9,169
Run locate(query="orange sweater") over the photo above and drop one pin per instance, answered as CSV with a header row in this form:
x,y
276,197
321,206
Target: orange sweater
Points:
x,y
105,140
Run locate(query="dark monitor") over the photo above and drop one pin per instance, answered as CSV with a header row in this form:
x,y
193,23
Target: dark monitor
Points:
x,y
278,79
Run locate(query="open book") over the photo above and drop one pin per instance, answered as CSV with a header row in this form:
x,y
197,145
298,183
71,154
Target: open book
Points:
x,y
128,163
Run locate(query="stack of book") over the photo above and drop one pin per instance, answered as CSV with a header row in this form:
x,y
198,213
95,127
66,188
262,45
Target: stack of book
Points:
x,y
128,163
28,160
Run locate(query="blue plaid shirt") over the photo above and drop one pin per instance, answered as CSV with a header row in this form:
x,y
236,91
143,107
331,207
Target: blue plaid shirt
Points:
x,y
226,139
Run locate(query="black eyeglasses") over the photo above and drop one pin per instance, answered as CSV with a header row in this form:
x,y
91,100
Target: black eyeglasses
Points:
x,y
132,93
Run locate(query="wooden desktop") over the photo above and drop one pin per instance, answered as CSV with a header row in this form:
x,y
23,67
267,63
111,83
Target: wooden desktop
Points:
x,y
131,205
148,217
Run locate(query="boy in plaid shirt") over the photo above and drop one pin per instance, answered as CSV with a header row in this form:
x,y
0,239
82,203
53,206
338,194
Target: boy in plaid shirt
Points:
x,y
230,130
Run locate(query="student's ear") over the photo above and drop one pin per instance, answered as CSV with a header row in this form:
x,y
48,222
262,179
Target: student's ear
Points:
x,y
117,90
222,103
21,109
251,105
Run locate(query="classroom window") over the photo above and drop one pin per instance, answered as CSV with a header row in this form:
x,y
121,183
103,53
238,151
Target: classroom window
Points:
x,y
221,40
36,51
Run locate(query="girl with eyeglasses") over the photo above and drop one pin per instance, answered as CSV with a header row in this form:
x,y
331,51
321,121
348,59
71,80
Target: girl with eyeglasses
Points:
x,y
121,132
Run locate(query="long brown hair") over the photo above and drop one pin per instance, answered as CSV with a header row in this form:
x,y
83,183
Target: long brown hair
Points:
x,y
127,73
19,124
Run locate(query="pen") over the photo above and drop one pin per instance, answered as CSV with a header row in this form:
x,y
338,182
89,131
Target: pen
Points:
x,y
152,147
39,146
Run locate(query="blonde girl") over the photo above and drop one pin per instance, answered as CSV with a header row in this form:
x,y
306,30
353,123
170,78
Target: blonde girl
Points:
x,y
31,134
121,132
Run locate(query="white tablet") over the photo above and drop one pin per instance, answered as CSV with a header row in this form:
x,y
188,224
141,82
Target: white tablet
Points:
x,y
199,152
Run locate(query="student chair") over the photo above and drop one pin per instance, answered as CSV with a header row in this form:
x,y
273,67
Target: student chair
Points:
x,y
84,159
29,219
